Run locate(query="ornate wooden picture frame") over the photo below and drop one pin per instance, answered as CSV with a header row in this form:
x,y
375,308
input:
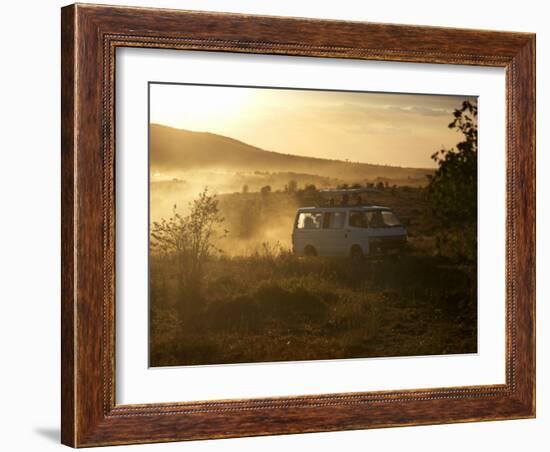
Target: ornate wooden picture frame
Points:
x,y
90,37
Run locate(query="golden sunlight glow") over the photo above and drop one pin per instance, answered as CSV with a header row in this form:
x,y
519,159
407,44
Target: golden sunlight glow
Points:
x,y
189,106
380,128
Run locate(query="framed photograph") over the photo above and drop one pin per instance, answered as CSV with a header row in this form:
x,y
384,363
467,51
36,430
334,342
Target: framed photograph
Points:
x,y
282,225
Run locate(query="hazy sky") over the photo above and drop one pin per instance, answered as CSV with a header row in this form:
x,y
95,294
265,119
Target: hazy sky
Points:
x,y
391,129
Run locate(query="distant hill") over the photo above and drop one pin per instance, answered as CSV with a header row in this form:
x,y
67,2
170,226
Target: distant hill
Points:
x,y
175,150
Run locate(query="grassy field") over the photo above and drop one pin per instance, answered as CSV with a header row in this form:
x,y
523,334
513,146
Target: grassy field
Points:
x,y
264,304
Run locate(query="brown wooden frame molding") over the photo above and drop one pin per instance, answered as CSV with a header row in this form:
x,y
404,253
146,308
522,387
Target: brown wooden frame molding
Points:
x,y
90,36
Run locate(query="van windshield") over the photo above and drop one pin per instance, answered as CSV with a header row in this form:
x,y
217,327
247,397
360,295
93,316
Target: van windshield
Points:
x,y
373,219
390,219
382,219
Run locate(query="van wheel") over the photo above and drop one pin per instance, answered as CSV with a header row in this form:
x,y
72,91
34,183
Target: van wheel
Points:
x,y
356,253
309,251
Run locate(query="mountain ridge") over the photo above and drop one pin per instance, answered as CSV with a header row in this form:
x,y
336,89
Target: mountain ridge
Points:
x,y
174,149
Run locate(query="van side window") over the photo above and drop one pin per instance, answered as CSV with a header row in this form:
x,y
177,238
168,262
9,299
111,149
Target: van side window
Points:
x,y
337,220
375,219
358,219
307,220
326,220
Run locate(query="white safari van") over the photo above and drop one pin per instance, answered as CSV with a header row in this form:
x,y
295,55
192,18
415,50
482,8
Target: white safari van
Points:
x,y
354,231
